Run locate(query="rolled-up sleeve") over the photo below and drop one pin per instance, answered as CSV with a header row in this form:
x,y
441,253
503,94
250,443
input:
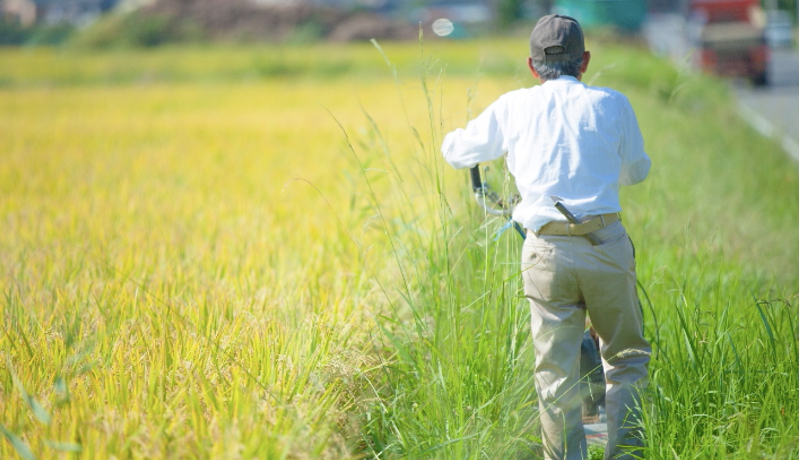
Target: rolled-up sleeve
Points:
x,y
481,140
635,162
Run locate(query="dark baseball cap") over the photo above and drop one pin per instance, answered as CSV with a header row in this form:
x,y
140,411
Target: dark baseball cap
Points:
x,y
556,38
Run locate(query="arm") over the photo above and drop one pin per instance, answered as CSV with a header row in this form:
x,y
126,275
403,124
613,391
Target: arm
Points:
x,y
635,162
482,140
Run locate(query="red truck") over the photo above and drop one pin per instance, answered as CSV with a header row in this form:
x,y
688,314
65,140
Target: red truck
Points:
x,y
729,38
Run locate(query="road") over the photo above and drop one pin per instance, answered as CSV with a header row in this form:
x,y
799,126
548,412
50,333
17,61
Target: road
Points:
x,y
772,110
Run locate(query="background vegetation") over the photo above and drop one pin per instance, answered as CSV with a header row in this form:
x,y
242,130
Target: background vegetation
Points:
x,y
14,34
228,252
240,21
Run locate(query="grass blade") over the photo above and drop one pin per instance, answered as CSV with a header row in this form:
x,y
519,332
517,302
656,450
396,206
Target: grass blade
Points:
x,y
22,449
63,446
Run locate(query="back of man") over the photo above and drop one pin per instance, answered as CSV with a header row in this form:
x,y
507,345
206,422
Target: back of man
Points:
x,y
574,144
569,140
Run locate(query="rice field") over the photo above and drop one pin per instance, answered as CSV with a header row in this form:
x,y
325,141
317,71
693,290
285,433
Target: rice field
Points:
x,y
252,252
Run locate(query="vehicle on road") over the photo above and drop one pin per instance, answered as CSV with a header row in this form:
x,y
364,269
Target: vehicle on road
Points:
x,y
728,36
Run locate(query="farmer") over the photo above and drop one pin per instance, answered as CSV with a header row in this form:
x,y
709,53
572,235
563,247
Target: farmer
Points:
x,y
576,144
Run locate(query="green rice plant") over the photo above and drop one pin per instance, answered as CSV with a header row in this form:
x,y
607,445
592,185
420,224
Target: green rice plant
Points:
x,y
205,257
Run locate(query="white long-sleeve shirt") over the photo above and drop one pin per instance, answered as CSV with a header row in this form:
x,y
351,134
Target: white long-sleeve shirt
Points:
x,y
563,138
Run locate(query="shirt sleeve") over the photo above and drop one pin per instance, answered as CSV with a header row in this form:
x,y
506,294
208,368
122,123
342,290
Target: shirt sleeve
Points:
x,y
482,140
635,162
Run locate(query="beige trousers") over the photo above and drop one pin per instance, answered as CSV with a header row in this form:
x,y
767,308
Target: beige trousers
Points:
x,y
565,277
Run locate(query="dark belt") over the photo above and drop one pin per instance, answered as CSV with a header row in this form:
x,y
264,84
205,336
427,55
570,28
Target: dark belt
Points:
x,y
558,227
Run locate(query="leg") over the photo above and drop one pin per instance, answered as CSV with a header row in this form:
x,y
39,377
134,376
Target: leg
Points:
x,y
593,379
608,284
557,323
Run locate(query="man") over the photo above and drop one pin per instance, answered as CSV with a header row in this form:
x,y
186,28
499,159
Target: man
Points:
x,y
575,144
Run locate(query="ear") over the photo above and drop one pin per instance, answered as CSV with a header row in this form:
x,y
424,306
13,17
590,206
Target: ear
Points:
x,y
533,69
587,56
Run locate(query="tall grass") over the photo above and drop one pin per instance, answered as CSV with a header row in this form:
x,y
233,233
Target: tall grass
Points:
x,y
718,271
202,263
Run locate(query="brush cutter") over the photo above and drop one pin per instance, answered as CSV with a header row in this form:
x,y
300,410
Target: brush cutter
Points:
x,y
493,203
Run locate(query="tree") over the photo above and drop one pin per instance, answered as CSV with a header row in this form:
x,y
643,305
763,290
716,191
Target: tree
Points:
x,y
507,12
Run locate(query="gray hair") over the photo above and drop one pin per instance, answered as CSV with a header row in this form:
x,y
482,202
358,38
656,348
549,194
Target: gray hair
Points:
x,y
554,70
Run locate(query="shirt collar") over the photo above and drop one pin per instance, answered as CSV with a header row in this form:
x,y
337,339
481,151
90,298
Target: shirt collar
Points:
x,y
564,78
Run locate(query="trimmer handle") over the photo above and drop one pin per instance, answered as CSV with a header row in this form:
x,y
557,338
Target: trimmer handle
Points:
x,y
475,175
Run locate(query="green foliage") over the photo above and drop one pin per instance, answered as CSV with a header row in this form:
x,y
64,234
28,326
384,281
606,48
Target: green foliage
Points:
x,y
14,34
790,6
507,12
134,30
305,33
55,34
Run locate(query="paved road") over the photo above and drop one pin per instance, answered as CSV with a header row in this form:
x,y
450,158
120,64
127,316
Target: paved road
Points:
x,y
772,110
